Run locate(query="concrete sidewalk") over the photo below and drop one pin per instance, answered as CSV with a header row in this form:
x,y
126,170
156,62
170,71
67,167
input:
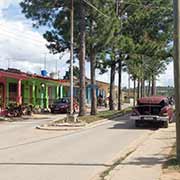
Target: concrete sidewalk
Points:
x,y
146,161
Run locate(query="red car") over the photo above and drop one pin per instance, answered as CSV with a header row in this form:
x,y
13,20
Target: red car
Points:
x,y
153,109
63,105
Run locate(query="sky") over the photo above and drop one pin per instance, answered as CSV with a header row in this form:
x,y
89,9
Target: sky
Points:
x,y
23,47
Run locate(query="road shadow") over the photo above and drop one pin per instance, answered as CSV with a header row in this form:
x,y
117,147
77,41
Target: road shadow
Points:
x,y
125,123
146,162
166,138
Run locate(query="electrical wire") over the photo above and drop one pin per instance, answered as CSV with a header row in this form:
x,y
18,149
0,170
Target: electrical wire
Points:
x,y
95,8
23,36
144,6
128,3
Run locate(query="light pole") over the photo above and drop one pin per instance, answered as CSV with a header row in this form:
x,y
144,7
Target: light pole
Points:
x,y
177,72
71,56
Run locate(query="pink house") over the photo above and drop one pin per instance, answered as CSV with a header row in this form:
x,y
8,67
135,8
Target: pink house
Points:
x,y
5,77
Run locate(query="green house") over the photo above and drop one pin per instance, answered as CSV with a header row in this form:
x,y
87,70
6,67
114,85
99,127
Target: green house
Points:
x,y
23,88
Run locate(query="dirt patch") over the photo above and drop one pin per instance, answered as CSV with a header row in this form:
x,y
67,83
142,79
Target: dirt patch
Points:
x,y
170,175
171,168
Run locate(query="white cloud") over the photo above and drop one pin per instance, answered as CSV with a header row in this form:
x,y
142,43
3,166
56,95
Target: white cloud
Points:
x,y
168,77
7,3
25,48
4,3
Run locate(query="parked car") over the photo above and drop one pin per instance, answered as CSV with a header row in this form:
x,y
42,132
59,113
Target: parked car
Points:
x,y
63,105
153,109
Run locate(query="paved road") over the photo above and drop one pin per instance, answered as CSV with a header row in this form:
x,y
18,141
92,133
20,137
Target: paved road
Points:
x,y
30,154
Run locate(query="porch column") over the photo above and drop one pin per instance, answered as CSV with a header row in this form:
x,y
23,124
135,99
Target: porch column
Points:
x,y
57,91
19,97
33,94
61,91
46,97
5,94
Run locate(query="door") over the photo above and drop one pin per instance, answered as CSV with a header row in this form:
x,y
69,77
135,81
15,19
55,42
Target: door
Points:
x,y
13,92
1,95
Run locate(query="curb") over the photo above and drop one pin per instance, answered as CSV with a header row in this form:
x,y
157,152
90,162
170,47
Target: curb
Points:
x,y
66,128
87,126
58,128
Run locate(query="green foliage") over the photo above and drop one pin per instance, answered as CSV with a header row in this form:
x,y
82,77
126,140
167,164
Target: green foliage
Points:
x,y
142,41
76,73
150,26
56,14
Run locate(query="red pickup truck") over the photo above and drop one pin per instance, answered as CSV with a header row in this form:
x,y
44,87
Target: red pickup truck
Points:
x,y
153,109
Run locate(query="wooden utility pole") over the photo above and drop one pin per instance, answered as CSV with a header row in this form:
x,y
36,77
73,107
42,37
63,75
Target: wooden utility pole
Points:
x,y
71,55
82,55
177,71
119,84
118,13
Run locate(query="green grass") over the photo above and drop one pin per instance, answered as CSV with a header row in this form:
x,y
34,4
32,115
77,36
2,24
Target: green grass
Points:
x,y
100,116
114,165
172,162
104,115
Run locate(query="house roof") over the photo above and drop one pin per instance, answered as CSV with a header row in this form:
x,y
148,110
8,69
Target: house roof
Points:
x,y
17,74
13,74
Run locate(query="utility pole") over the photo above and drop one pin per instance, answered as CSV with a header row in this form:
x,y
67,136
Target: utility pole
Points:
x,y
177,72
71,55
117,7
45,56
82,55
8,63
56,66
118,13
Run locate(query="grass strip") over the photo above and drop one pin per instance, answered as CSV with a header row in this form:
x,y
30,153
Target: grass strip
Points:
x,y
104,115
172,163
114,165
100,116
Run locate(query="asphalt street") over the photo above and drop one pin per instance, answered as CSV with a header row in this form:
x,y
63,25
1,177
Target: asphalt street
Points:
x,y
30,154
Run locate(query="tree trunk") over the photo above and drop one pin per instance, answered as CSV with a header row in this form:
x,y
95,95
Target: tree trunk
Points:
x,y
93,82
149,88
142,88
119,85
129,86
134,93
112,88
82,54
138,89
153,90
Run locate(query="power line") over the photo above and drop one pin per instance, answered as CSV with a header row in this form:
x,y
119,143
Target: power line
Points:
x,y
14,26
143,5
11,35
20,37
128,3
94,7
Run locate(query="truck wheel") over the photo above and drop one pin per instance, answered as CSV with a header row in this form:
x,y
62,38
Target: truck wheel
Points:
x,y
166,124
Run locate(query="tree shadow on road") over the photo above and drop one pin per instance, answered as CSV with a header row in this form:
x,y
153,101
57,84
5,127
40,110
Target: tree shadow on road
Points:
x,y
126,123
145,161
